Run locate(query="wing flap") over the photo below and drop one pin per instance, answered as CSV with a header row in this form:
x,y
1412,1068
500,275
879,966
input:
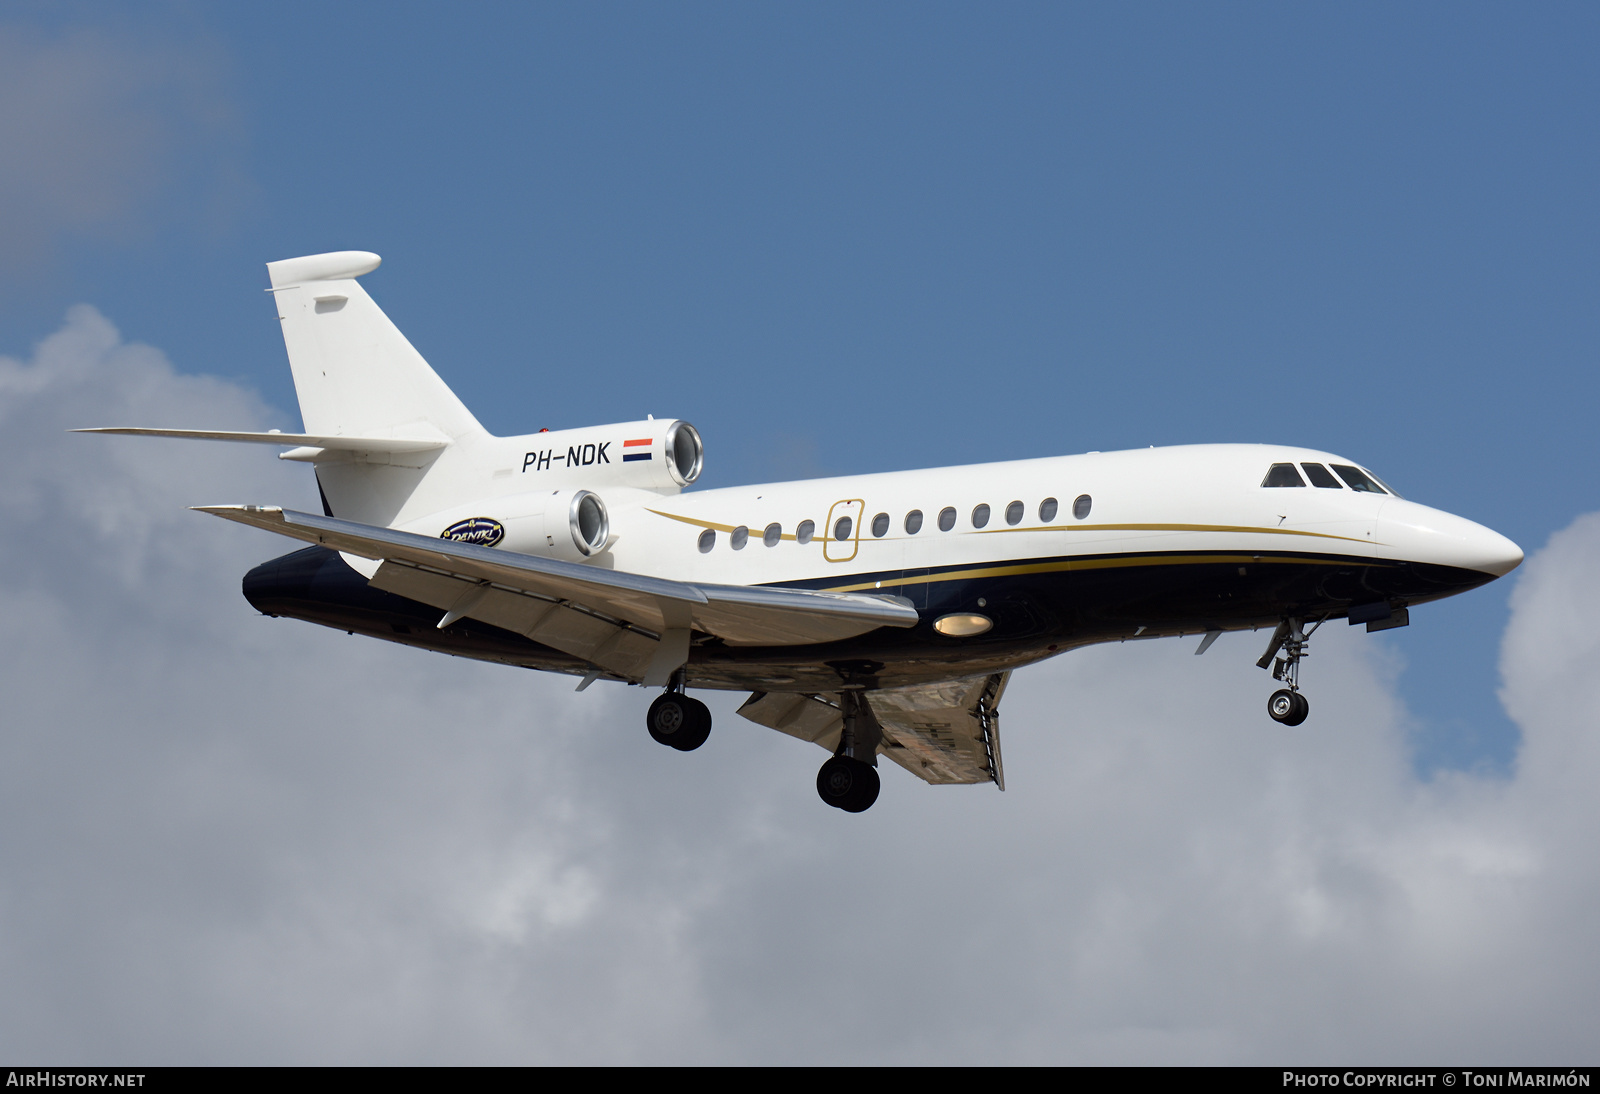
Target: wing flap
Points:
x,y
611,644
808,717
944,733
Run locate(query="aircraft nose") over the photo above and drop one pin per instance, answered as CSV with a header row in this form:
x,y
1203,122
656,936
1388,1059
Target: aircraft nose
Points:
x,y
1430,535
1500,555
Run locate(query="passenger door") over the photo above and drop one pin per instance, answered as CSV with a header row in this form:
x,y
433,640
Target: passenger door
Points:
x,y
842,533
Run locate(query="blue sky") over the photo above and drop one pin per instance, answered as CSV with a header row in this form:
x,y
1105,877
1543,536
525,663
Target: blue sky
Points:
x,y
836,238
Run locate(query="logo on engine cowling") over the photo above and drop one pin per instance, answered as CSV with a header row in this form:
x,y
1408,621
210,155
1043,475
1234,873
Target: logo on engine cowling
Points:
x,y
484,531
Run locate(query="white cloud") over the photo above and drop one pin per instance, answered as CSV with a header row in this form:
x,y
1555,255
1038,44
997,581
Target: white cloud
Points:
x,y
235,839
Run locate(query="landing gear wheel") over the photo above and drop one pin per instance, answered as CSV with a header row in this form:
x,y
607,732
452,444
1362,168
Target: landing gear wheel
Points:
x,y
677,720
848,784
1288,707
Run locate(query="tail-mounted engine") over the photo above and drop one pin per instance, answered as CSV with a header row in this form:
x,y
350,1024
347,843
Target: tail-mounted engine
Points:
x,y
552,505
664,456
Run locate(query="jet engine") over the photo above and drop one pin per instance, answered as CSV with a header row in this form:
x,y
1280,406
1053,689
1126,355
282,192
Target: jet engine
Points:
x,y
565,524
551,483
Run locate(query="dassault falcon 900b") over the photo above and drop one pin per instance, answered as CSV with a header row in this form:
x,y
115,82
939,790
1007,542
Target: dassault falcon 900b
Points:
x,y
875,615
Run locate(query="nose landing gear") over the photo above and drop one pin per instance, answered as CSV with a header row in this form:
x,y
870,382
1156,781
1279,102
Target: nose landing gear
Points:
x,y
1287,705
677,720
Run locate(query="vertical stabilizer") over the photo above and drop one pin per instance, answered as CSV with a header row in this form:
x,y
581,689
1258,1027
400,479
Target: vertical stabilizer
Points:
x,y
354,372
356,375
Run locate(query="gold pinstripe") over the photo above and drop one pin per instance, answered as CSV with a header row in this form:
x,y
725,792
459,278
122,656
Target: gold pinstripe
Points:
x,y
1119,562
1172,528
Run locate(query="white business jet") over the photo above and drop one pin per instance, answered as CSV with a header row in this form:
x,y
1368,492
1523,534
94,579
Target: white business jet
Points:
x,y
875,615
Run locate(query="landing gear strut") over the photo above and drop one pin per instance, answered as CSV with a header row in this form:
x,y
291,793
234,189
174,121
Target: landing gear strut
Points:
x,y
1287,705
849,781
677,720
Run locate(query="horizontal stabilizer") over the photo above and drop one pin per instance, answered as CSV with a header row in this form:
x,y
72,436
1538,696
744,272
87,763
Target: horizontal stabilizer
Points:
x,y
613,618
293,440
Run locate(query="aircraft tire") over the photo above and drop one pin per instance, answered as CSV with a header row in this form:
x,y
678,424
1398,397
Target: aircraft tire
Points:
x,y
1281,706
1287,707
848,784
677,720
695,733
1302,710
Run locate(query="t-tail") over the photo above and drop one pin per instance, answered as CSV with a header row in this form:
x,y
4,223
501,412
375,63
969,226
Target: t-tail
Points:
x,y
356,375
378,421
393,447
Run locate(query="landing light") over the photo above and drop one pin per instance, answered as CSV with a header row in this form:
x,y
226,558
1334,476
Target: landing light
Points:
x,y
963,625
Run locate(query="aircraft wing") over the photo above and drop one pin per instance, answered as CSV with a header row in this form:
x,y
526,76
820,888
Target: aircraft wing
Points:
x,y
942,733
632,625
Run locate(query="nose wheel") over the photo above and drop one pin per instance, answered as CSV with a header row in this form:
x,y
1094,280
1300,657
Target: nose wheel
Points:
x,y
1288,707
677,720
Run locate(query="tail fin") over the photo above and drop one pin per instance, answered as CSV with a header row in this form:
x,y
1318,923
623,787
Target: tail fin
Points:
x,y
357,376
354,372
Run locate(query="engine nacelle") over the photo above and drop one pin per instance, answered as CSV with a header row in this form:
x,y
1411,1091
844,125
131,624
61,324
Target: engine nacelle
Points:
x,y
565,524
541,493
664,456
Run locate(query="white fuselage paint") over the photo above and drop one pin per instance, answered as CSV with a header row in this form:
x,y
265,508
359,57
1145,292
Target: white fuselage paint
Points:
x,y
1175,499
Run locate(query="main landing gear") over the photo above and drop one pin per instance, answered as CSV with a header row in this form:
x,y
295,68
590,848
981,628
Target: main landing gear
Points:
x,y
848,784
677,720
849,781
1287,705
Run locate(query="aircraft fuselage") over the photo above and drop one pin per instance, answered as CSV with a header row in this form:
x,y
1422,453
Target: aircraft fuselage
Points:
x,y
1039,556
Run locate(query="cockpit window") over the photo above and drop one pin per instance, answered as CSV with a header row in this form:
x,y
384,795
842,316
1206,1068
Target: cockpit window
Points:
x,y
1358,479
1282,474
1383,484
1320,476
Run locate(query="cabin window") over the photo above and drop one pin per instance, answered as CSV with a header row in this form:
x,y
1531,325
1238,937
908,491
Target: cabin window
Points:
x,y
1081,506
1282,474
1320,476
805,531
841,528
738,538
708,540
947,519
980,516
772,535
913,522
1358,479
1047,510
1014,512
880,525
